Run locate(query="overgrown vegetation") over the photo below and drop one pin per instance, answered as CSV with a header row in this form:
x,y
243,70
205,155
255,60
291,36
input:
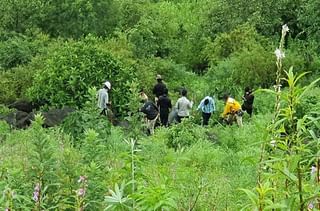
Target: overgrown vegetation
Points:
x,y
58,53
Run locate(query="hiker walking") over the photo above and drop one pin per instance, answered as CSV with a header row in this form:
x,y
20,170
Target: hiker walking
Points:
x,y
232,111
183,106
207,106
159,88
152,113
164,105
248,99
103,98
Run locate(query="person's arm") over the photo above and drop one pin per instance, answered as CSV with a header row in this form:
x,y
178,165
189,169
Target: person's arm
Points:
x,y
106,99
226,110
169,104
200,105
190,104
144,108
213,105
177,105
154,91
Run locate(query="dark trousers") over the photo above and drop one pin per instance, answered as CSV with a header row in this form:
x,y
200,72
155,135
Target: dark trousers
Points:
x,y
164,118
179,118
205,118
248,109
104,112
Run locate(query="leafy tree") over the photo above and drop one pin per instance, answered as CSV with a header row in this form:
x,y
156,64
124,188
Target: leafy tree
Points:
x,y
73,68
77,18
20,15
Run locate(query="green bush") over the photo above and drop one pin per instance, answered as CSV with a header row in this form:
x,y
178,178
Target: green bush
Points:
x,y
18,49
76,66
14,83
80,121
184,135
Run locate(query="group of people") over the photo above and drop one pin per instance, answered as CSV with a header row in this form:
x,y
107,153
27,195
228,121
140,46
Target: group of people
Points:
x,y
161,108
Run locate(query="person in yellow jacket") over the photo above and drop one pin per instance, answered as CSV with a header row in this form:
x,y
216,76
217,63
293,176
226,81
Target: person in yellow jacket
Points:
x,y
232,111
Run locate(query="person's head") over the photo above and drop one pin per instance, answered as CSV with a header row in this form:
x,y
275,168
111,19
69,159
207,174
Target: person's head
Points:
x,y
206,101
159,78
247,90
144,99
107,85
184,92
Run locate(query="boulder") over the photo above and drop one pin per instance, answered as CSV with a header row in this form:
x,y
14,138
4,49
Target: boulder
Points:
x,y
18,119
56,116
23,105
21,119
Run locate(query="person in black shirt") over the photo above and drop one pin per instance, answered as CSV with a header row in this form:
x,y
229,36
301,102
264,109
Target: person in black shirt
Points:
x,y
159,88
248,99
152,114
164,104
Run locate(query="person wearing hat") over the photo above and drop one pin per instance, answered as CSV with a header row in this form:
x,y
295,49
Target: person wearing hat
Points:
x,y
103,98
159,88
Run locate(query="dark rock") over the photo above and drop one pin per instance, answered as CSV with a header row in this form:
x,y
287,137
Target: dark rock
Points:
x,y
56,116
124,124
23,105
18,119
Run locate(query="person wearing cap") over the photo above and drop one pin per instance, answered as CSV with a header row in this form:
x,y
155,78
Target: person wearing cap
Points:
x,y
232,111
159,88
207,106
103,98
183,106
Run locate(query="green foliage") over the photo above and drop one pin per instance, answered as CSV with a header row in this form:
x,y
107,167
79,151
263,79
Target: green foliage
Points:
x,y
15,52
75,67
292,153
309,103
14,83
80,121
20,15
117,200
78,18
156,198
56,51
182,135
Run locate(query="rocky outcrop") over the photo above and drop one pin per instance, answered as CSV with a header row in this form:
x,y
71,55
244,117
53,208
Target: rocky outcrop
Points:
x,y
21,119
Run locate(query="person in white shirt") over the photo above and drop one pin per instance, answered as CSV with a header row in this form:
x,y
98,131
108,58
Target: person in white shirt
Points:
x,y
103,98
183,106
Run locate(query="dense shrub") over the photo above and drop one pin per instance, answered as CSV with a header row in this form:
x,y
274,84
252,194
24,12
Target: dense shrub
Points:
x,y
17,49
14,83
184,135
76,66
80,121
253,68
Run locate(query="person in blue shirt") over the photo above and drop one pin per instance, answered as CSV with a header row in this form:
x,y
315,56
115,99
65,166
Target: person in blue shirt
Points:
x,y
207,106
